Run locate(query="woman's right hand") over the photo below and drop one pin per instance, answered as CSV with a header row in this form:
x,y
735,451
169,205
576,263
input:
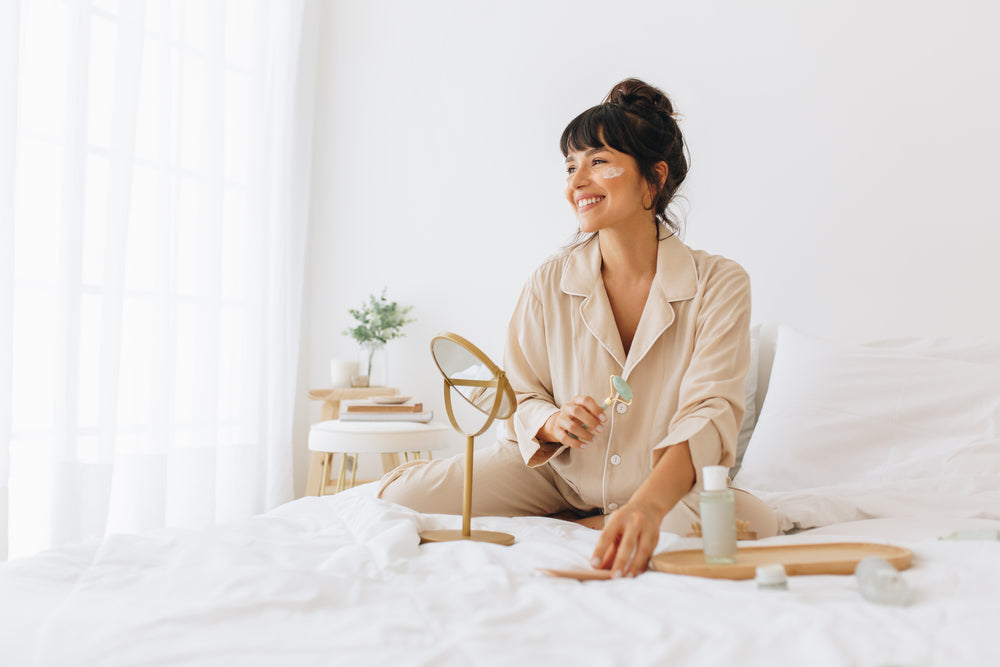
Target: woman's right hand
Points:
x,y
576,423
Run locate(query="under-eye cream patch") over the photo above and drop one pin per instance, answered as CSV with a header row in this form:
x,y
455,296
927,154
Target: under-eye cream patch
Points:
x,y
613,172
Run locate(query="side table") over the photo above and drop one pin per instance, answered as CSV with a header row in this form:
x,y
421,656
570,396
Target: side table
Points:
x,y
331,410
388,438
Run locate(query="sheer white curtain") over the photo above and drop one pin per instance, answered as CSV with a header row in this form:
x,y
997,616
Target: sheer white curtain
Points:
x,y
154,176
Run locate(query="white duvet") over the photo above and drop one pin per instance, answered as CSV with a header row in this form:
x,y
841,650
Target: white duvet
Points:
x,y
342,580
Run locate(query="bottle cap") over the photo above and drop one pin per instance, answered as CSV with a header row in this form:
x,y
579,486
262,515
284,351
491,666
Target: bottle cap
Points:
x,y
715,478
771,575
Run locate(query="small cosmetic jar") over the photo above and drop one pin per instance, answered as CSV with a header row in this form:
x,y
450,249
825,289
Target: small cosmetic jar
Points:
x,y
772,577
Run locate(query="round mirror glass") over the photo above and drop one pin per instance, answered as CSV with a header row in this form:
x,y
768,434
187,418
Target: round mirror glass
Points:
x,y
472,374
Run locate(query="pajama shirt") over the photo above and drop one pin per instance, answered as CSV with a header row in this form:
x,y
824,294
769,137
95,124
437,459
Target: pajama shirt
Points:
x,y
686,365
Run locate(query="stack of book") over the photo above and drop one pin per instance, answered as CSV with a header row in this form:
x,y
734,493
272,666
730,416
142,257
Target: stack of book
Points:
x,y
368,410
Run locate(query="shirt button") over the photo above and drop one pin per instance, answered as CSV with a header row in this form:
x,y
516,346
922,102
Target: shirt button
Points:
x,y
612,506
621,408
615,459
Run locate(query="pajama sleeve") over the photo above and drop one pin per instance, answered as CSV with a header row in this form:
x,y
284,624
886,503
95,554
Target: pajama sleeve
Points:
x,y
711,396
526,363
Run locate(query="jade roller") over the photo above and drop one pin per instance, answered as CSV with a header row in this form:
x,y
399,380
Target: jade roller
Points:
x,y
620,393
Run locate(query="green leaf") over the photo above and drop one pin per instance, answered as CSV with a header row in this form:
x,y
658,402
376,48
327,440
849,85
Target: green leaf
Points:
x,y
379,320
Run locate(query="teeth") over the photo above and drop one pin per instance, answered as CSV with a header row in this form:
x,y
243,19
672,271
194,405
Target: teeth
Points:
x,y
587,202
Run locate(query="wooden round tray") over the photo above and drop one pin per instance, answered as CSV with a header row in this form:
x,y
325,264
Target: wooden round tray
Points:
x,y
579,575
830,558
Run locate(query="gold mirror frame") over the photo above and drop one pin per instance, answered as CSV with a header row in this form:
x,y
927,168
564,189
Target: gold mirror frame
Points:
x,y
502,390
502,394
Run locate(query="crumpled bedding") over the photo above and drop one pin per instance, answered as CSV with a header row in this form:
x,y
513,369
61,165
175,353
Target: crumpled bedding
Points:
x,y
343,580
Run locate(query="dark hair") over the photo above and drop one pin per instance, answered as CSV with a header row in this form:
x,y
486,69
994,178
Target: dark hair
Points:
x,y
637,119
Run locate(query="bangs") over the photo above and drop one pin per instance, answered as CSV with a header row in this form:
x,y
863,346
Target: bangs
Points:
x,y
603,125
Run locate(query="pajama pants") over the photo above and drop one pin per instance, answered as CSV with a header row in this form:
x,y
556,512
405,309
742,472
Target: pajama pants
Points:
x,y
504,486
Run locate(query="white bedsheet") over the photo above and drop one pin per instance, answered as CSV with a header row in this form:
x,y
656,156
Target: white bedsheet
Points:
x,y
342,580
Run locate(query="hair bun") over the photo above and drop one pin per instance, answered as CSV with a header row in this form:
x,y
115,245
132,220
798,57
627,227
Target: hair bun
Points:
x,y
639,95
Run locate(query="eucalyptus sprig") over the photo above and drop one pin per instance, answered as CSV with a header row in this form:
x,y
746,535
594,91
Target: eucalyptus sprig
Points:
x,y
379,320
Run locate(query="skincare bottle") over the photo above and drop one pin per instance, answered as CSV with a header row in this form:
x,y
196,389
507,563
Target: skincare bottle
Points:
x,y
718,516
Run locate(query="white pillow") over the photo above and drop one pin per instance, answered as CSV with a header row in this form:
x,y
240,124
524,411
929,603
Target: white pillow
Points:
x,y
750,396
895,428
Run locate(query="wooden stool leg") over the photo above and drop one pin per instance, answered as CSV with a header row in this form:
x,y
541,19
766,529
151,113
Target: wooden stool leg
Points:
x,y
342,478
324,470
354,470
314,479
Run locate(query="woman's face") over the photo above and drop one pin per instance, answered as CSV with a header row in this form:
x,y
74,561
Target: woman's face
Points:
x,y
606,189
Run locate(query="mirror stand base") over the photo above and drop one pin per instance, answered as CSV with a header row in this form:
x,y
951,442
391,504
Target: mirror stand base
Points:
x,y
490,536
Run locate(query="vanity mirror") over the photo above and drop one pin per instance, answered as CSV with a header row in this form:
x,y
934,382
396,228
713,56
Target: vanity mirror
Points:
x,y
480,383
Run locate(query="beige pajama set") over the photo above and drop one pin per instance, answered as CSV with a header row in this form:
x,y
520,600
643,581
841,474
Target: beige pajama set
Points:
x,y
687,365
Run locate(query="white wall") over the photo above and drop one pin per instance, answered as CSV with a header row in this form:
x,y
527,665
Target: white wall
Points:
x,y
844,152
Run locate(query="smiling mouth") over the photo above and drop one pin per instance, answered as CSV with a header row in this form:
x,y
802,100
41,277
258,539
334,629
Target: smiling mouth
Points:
x,y
589,201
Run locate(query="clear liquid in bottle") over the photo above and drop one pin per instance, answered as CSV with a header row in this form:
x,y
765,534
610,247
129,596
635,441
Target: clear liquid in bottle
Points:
x,y
718,517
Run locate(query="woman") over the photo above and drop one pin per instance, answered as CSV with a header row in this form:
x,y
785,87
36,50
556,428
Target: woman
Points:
x,y
628,299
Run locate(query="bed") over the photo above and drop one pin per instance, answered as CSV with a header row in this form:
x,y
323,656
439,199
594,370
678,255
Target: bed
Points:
x,y
343,579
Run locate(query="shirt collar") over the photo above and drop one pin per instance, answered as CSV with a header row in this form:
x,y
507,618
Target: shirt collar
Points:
x,y
675,279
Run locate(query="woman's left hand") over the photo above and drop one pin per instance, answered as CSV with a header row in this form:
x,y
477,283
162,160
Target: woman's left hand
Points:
x,y
632,532
627,542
